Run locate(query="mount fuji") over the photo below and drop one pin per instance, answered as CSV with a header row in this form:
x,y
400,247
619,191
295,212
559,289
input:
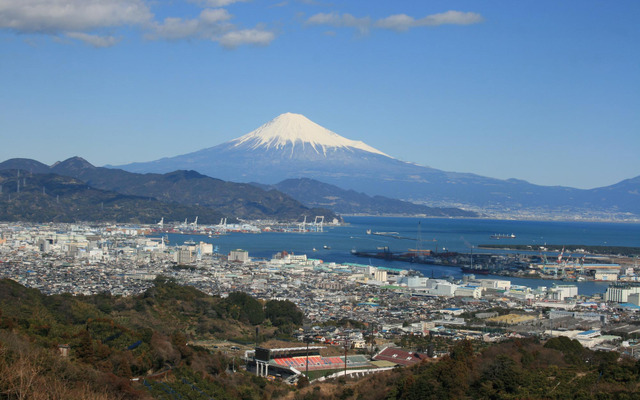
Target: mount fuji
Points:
x,y
291,147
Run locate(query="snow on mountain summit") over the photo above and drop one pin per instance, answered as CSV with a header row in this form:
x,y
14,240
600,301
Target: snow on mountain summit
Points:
x,y
291,129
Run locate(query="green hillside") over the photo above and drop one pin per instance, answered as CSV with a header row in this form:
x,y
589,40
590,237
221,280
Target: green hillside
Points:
x,y
120,347
143,347
55,198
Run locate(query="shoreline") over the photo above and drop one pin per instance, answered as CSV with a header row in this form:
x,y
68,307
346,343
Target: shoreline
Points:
x,y
496,218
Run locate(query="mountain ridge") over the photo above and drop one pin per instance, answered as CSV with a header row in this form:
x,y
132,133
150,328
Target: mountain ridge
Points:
x,y
314,193
376,174
185,188
47,197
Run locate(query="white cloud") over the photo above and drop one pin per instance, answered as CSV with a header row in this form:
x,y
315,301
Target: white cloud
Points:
x,y
60,16
211,24
214,16
451,18
340,20
397,22
403,22
313,3
216,3
83,20
257,37
94,40
174,28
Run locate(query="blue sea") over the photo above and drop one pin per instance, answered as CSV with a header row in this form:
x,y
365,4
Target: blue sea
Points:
x,y
335,243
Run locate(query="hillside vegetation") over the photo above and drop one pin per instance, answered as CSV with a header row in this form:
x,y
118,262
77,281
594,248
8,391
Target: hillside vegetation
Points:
x,y
518,369
141,347
113,340
55,198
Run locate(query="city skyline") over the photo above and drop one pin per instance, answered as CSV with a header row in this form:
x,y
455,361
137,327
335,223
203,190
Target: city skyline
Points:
x,y
540,91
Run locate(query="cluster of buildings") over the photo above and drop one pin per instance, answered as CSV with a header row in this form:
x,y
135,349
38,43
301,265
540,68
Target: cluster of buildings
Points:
x,y
92,259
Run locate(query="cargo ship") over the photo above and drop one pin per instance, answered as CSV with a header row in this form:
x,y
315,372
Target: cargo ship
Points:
x,y
475,271
498,236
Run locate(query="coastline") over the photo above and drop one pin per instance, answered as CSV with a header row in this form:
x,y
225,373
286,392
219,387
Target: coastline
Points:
x,y
635,220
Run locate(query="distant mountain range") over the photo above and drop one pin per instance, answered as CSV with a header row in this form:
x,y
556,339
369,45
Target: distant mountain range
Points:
x,y
55,198
292,147
318,194
175,193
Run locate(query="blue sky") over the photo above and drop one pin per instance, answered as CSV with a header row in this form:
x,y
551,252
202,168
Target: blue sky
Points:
x,y
544,91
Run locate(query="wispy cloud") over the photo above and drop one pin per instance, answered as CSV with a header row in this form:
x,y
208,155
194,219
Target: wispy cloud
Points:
x,y
397,22
208,25
96,22
403,22
314,3
94,40
340,20
61,16
216,3
211,24
256,37
280,4
86,21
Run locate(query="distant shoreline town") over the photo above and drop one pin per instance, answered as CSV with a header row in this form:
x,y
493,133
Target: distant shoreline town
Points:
x,y
86,260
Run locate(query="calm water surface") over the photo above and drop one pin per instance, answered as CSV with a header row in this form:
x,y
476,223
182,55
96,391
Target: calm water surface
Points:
x,y
436,234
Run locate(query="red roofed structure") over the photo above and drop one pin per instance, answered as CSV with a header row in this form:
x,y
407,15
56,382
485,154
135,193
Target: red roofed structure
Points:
x,y
399,356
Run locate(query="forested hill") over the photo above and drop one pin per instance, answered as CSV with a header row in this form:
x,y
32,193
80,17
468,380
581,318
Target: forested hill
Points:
x,y
175,189
138,348
112,340
55,198
559,369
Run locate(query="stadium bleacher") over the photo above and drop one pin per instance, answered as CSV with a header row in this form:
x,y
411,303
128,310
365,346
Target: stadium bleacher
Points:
x,y
315,362
296,357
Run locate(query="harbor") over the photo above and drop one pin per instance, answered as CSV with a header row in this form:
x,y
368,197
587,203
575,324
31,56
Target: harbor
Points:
x,y
452,239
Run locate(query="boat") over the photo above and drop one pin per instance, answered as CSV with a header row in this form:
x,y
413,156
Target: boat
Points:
x,y
503,236
475,271
326,247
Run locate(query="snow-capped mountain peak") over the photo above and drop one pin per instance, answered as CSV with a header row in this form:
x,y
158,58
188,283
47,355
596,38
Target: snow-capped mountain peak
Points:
x,y
293,130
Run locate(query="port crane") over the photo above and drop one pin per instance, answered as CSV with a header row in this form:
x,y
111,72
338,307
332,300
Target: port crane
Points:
x,y
318,223
302,226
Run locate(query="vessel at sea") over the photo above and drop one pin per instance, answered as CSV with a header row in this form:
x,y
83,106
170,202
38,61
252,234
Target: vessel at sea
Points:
x,y
503,236
475,271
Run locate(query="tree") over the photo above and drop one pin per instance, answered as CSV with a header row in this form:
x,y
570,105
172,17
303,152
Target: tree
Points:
x,y
247,308
283,312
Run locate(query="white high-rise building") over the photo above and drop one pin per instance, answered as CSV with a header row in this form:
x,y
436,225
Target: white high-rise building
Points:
x,y
620,293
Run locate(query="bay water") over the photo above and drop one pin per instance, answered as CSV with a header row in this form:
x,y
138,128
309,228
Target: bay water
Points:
x,y
336,242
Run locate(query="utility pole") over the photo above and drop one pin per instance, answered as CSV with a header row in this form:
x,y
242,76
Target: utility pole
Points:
x,y
372,338
346,347
307,339
257,331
